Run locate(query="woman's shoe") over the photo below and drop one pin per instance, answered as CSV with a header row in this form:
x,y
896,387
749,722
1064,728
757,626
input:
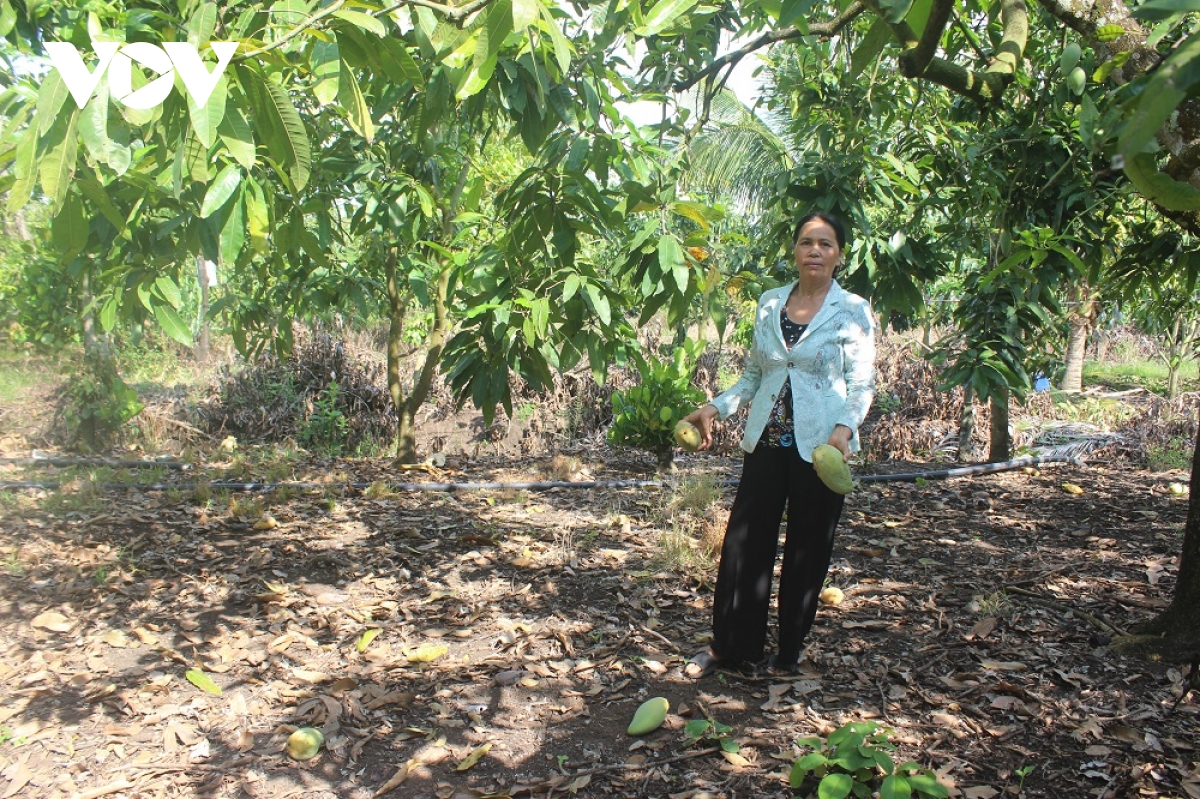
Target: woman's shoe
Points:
x,y
702,664
776,666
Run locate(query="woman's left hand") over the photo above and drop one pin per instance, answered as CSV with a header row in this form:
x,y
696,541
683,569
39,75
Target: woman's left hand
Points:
x,y
840,438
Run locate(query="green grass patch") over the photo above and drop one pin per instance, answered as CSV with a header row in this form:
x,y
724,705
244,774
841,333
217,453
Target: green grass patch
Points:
x,y
18,378
1150,375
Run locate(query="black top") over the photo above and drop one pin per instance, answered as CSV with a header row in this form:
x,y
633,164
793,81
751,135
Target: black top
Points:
x,y
779,431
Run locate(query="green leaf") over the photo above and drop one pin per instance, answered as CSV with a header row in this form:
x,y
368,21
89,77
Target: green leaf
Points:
x,y
108,313
98,195
703,215
51,96
221,189
894,787
8,17
195,676
663,15
672,261
598,302
524,13
57,167
1164,9
365,21
174,326
287,139
562,46
70,228
202,24
366,638
1158,187
233,231
1168,86
326,69
408,65
924,784
835,786
206,120
258,217
570,286
894,11
25,169
168,290
350,98
235,132
870,47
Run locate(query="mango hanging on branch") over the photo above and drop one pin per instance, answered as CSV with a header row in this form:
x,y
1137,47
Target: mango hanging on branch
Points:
x,y
832,469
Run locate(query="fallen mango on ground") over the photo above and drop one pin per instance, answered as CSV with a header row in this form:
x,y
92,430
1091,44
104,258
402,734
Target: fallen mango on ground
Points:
x,y
304,743
650,716
832,469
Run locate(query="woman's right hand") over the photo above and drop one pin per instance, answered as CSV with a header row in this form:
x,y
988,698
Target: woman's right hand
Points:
x,y
703,419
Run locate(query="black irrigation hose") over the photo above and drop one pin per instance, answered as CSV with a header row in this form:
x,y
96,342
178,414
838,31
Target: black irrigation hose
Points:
x,y
36,461
911,477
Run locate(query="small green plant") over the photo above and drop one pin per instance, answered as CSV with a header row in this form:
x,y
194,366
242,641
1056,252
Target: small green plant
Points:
x,y
698,730
326,428
525,411
12,563
1022,773
645,416
856,759
1176,454
95,404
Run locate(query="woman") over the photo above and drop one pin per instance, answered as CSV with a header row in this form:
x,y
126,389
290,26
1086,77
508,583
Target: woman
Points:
x,y
810,379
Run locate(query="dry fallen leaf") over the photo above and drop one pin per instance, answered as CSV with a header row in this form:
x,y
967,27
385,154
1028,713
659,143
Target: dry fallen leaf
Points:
x,y
1071,488
115,639
980,792
982,629
735,759
400,776
473,758
52,621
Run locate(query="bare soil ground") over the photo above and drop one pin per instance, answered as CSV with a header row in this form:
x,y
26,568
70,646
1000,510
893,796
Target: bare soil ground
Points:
x,y
519,631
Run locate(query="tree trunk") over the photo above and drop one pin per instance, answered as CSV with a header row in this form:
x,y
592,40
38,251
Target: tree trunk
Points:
x,y
407,407
202,278
1175,634
966,426
1000,446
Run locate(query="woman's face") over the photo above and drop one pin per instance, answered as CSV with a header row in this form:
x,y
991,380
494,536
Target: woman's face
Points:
x,y
817,251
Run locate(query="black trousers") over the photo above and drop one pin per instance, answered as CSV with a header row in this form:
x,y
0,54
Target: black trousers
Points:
x,y
773,477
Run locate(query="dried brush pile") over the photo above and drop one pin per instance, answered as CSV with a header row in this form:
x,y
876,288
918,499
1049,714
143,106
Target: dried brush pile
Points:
x,y
913,418
274,399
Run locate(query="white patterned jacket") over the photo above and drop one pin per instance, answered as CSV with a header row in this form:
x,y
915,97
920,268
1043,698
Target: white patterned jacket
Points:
x,y
832,369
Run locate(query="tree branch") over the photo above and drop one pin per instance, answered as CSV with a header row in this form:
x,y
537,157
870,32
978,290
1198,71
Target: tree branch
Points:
x,y
454,14
818,29
299,29
914,60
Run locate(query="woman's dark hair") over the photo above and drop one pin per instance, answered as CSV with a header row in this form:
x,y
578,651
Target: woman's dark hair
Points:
x,y
839,230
